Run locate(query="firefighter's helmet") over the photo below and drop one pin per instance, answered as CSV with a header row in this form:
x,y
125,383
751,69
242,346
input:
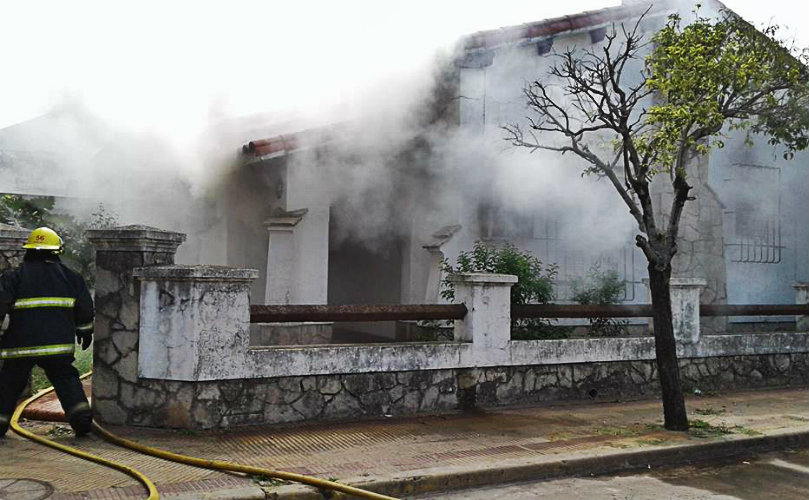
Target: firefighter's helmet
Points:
x,y
44,238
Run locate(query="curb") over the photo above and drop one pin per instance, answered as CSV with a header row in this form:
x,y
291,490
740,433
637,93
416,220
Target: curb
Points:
x,y
605,464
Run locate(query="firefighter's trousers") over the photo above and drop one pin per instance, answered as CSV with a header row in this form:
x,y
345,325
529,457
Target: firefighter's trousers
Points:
x,y
60,371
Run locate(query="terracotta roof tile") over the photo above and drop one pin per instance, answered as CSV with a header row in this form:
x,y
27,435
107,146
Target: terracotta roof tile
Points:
x,y
550,27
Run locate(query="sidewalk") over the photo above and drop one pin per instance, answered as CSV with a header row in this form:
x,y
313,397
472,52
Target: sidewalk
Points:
x,y
410,455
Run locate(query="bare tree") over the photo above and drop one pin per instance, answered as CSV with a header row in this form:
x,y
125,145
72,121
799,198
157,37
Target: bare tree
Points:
x,y
690,83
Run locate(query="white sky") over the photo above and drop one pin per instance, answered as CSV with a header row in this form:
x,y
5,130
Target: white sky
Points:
x,y
168,63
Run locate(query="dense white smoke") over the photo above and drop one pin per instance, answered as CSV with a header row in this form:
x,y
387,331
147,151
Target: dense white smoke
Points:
x,y
159,98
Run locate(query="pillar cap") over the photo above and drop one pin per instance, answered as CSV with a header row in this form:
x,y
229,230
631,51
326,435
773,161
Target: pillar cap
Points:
x,y
12,237
282,219
195,273
483,278
134,238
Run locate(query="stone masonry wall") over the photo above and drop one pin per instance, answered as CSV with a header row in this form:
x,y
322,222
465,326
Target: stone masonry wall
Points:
x,y
11,240
329,397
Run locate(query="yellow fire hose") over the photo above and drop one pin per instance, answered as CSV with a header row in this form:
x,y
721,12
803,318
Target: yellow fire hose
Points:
x,y
184,459
15,425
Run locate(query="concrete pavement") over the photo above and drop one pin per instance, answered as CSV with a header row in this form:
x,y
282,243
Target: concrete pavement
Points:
x,y
405,456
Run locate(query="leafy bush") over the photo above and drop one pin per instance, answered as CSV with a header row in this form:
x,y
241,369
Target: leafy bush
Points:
x,y
32,212
602,287
534,283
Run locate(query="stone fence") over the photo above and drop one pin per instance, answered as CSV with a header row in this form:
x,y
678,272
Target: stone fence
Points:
x,y
172,349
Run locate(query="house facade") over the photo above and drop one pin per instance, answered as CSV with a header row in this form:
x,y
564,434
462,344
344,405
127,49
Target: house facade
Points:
x,y
365,211
745,235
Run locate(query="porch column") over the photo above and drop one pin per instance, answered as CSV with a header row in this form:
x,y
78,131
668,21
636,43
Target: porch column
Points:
x,y
117,301
436,272
297,273
298,257
280,282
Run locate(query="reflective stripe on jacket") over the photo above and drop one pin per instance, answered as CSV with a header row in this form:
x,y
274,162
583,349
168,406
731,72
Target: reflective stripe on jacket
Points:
x,y
48,305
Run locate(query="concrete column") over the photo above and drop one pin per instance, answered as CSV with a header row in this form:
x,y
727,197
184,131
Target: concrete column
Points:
x,y
685,294
281,258
194,322
488,300
436,271
298,257
801,297
117,300
432,293
297,273
12,239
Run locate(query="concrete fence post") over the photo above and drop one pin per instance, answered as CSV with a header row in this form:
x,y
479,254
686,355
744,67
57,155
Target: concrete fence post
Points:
x,y
685,294
488,302
801,297
117,300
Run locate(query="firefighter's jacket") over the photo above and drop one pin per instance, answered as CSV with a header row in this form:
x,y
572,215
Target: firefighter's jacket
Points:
x,y
48,305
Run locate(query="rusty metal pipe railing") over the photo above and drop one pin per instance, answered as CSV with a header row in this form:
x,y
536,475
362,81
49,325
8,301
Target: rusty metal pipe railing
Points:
x,y
404,312
317,313
753,310
580,311
645,310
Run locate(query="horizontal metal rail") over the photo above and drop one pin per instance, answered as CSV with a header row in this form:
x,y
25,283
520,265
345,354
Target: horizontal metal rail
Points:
x,y
753,310
404,312
580,311
645,310
318,313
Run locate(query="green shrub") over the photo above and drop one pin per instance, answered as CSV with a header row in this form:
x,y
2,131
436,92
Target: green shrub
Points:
x,y
534,280
601,287
534,283
32,212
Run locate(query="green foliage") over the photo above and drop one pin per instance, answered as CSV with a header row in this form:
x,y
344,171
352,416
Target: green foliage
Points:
x,y
711,73
24,211
535,281
33,212
602,287
534,285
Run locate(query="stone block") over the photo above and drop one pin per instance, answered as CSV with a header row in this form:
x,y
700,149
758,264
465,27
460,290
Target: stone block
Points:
x,y
108,411
126,367
310,405
342,405
105,385
329,384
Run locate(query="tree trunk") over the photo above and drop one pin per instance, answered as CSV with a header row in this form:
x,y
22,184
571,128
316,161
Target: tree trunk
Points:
x,y
674,414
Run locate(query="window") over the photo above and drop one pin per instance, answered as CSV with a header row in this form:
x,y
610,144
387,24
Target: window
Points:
x,y
501,223
756,216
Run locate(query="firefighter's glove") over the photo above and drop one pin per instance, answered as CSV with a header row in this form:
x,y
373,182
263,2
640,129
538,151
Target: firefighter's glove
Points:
x,y
84,339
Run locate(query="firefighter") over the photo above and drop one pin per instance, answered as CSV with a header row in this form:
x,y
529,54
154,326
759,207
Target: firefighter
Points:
x,y
50,308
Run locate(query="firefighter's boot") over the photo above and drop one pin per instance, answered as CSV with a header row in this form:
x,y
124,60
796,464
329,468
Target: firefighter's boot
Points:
x,y
80,417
